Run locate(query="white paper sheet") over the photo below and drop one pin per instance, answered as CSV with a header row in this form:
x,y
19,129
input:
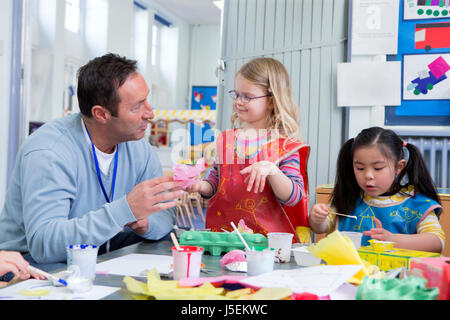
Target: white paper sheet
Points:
x,y
16,291
136,265
319,280
369,84
374,27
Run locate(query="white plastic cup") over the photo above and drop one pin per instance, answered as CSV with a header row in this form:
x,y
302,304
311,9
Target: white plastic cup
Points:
x,y
259,262
355,237
84,257
281,242
186,262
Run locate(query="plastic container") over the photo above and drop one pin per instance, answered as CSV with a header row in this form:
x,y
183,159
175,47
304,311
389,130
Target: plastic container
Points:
x,y
259,262
281,242
355,237
217,243
305,258
187,262
380,246
83,257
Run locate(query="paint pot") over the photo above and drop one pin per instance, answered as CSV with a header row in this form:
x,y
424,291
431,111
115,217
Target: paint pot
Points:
x,y
186,262
259,262
84,257
355,237
281,242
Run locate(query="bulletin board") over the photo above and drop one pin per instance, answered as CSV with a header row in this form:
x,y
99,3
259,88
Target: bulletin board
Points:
x,y
202,98
424,53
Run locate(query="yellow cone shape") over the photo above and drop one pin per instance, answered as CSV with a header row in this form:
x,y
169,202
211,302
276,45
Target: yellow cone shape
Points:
x,y
338,249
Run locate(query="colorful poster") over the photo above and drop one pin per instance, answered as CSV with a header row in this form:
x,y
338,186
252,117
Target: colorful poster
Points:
x,y
425,77
426,9
423,50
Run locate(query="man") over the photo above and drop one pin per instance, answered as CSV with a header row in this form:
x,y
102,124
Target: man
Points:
x,y
90,178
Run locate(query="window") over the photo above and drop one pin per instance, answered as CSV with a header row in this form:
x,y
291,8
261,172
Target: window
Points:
x,y
155,43
140,35
73,16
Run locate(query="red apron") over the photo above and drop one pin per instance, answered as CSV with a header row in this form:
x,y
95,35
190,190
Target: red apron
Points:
x,y
262,212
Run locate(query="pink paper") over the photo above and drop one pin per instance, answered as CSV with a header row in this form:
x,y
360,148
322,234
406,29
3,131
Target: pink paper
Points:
x,y
242,227
233,256
188,174
439,67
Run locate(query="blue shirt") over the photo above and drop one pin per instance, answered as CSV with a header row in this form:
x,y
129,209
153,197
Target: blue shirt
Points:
x,y
54,198
398,213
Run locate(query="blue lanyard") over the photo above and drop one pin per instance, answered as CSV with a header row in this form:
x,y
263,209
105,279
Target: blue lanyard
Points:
x,y
116,157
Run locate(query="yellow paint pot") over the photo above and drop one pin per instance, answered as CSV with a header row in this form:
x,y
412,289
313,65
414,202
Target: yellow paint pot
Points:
x,y
378,245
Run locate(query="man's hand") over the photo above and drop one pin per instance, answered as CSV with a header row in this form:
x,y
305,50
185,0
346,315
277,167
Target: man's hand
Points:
x,y
149,196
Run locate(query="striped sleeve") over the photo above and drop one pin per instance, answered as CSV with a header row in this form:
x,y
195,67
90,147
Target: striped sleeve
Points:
x,y
213,178
430,224
290,166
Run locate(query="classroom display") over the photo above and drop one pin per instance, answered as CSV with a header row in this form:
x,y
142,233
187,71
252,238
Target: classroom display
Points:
x,y
424,51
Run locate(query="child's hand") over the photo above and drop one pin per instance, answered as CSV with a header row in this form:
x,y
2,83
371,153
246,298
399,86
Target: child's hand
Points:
x,y
318,214
258,172
378,233
196,187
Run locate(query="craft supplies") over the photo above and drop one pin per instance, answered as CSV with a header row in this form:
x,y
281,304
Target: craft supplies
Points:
x,y
217,242
410,288
186,261
355,237
47,275
305,258
379,245
175,241
188,174
396,258
281,242
343,215
240,236
259,262
431,269
338,249
84,257
234,261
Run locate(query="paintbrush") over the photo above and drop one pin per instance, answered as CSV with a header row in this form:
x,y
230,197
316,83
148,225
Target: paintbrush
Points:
x,y
240,236
175,242
344,215
47,275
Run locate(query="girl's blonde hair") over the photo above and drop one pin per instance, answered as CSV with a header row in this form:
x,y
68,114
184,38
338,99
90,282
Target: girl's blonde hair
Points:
x,y
272,76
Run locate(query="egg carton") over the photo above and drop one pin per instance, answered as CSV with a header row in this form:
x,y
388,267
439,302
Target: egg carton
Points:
x,y
218,242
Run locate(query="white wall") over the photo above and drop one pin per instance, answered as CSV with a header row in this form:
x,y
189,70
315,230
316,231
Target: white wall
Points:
x,y
5,71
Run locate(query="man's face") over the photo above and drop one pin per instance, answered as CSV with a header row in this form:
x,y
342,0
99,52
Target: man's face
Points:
x,y
133,111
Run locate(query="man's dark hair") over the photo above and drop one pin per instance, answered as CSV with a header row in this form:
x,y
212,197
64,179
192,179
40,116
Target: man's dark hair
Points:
x,y
99,80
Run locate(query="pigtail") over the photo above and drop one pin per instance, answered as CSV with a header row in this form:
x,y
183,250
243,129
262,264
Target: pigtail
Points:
x,y
418,174
346,190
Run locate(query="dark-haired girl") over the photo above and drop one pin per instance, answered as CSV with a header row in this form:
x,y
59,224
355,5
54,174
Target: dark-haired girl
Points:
x,y
384,182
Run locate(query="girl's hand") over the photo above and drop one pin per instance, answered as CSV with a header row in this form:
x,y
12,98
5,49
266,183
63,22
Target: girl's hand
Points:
x,y
196,187
258,172
12,261
378,232
318,214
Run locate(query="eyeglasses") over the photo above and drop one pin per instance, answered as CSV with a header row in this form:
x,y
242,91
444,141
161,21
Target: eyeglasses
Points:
x,y
244,98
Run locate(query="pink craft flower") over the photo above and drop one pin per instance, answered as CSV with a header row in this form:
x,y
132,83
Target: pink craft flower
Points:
x,y
188,174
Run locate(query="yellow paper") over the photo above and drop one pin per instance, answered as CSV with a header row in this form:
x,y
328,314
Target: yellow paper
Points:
x,y
169,289
338,249
238,293
35,293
